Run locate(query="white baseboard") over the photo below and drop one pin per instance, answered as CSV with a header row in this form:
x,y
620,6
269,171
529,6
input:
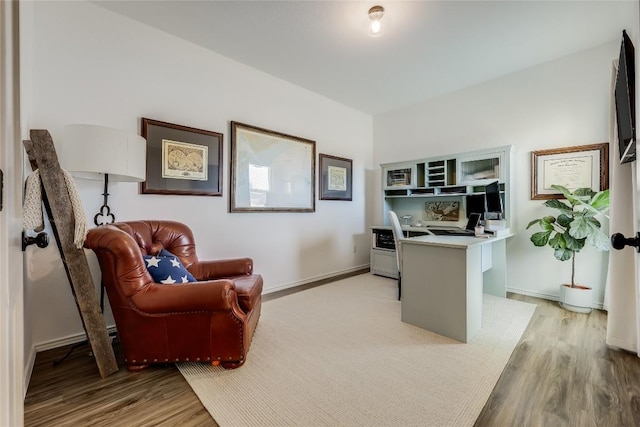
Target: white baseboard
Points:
x,y
28,369
315,279
546,296
70,339
623,344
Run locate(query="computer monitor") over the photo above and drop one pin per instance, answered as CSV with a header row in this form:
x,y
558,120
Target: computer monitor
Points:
x,y
494,200
476,204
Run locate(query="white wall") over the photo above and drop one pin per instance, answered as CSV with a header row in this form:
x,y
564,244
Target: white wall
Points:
x,y
93,66
557,104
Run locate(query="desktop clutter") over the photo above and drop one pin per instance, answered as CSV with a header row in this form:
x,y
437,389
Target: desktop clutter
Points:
x,y
496,226
485,216
496,230
475,226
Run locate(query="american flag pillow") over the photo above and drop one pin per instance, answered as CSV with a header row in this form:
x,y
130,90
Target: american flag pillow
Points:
x,y
167,269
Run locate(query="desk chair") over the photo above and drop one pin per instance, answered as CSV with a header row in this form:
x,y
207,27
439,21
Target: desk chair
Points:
x,y
398,236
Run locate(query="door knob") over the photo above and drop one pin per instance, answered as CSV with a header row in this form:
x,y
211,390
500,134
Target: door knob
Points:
x,y
618,241
41,240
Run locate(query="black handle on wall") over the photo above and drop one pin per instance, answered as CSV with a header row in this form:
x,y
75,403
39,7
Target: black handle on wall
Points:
x,y
618,241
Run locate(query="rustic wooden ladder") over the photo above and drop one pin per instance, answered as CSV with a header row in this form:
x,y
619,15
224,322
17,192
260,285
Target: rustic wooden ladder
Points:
x,y
42,156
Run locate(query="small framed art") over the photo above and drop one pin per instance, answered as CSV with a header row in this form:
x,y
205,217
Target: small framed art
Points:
x,y
336,178
182,160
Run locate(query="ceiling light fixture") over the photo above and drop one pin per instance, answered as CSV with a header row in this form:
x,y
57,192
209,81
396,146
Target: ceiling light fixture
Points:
x,y
375,15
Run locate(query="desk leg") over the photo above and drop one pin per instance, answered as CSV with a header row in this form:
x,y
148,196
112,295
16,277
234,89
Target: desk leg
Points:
x,y
495,278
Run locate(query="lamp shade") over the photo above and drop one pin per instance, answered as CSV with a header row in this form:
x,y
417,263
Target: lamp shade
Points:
x,y
91,151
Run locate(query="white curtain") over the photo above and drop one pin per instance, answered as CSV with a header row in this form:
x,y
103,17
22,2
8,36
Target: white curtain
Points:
x,y
621,291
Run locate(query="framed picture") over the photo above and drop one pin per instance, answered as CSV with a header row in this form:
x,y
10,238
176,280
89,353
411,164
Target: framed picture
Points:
x,y
271,171
182,160
335,178
581,166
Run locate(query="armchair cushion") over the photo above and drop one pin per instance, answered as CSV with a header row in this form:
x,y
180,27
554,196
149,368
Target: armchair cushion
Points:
x,y
167,269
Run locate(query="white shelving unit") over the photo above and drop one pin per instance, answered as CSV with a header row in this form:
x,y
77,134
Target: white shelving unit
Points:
x,y
408,185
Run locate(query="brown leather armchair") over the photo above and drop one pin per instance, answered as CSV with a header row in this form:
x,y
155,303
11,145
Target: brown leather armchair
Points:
x,y
211,320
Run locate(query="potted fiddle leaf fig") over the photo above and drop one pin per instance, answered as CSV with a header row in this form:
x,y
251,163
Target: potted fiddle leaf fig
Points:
x,y
574,226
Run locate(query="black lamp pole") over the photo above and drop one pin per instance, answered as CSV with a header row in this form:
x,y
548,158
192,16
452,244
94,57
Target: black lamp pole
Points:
x,y
105,210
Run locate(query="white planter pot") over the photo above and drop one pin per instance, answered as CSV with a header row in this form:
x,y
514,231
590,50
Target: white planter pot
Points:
x,y
578,299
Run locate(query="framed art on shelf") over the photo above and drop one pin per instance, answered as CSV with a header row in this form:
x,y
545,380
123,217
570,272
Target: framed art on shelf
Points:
x,y
335,178
182,160
572,167
271,171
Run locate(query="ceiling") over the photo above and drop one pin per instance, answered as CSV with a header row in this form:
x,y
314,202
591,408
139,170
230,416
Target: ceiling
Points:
x,y
428,48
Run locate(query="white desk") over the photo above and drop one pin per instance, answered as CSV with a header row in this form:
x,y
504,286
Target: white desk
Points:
x,y
443,278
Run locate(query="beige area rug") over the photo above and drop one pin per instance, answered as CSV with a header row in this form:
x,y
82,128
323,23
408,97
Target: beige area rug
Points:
x,y
338,355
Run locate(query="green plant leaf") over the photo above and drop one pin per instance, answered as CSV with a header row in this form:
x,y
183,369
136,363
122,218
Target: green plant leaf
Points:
x,y
564,190
599,240
574,244
557,204
563,254
583,227
540,238
581,196
546,223
600,201
535,221
564,220
584,193
557,241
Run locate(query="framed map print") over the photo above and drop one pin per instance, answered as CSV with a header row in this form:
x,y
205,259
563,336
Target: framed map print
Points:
x,y
182,160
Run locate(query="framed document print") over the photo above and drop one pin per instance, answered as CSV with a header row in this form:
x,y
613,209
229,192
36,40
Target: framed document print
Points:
x,y
581,166
182,160
335,178
271,171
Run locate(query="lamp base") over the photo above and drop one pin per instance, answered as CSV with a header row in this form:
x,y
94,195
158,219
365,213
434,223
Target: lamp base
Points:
x,y
104,216
105,210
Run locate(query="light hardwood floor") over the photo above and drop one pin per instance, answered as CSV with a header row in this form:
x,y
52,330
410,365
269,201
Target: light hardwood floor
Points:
x,y
560,374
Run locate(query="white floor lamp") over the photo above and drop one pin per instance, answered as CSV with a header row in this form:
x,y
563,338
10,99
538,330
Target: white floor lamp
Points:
x,y
103,153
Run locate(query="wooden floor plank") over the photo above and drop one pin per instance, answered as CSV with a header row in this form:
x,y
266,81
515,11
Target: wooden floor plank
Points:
x,y
73,394
561,373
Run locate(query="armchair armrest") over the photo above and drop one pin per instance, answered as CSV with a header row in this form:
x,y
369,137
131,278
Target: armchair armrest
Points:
x,y
214,295
207,270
